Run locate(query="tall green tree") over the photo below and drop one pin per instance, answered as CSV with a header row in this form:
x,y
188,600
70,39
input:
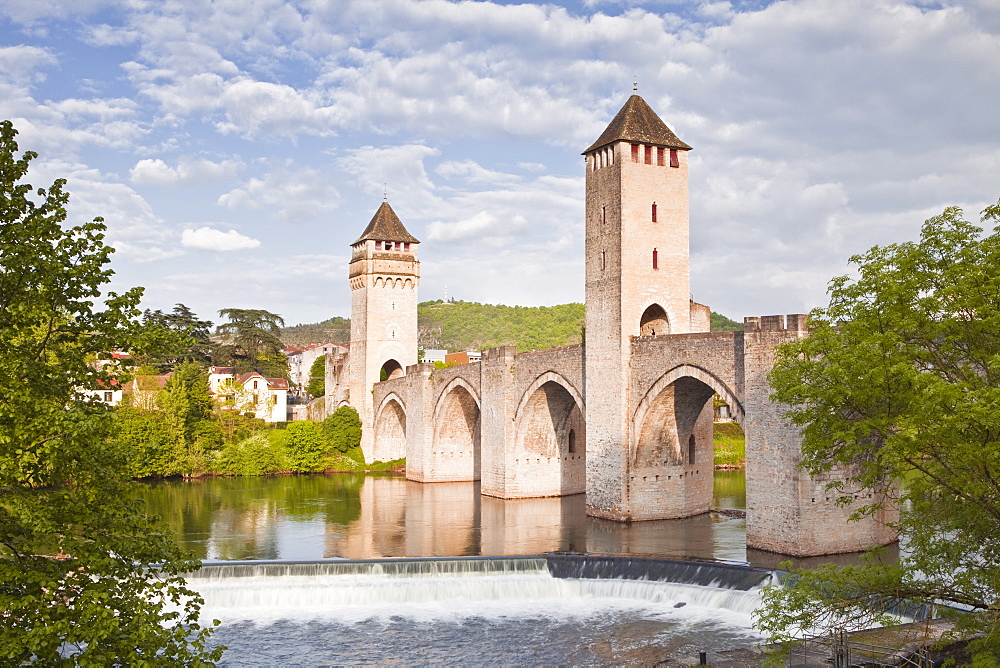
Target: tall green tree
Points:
x,y
255,337
186,337
899,380
72,539
317,377
342,429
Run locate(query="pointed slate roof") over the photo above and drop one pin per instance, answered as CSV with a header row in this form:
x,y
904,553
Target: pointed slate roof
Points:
x,y
637,122
386,226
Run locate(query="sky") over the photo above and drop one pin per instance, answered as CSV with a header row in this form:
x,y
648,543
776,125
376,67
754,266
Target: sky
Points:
x,y
236,148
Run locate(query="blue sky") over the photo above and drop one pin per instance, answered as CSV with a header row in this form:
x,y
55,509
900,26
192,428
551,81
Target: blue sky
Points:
x,y
237,147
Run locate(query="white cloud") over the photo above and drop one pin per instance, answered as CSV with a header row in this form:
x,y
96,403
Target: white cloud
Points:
x,y
23,63
207,238
189,171
292,194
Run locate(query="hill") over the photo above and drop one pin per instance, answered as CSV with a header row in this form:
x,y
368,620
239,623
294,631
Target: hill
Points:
x,y
473,326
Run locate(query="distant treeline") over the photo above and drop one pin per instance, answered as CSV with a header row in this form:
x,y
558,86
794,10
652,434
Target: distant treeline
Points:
x,y
471,326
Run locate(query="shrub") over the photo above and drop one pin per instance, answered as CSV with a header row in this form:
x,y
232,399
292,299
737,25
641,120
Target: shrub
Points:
x,y
256,455
342,429
307,449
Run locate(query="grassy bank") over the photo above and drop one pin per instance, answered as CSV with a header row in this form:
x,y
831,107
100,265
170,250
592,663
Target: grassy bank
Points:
x,y
730,445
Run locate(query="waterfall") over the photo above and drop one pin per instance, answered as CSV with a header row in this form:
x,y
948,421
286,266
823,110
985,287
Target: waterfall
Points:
x,y
513,583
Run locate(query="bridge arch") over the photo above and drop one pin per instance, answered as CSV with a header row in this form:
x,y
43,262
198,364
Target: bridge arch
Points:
x,y
664,421
457,435
550,442
389,441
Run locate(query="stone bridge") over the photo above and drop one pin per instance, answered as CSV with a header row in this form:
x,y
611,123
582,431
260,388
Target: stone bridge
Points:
x,y
517,424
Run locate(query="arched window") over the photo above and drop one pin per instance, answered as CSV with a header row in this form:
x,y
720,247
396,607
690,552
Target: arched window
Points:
x,y
654,321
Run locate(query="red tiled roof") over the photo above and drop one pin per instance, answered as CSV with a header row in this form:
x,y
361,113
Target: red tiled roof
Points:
x,y
637,122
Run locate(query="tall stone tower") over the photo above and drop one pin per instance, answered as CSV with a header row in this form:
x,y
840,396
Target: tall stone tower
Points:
x,y
384,274
638,280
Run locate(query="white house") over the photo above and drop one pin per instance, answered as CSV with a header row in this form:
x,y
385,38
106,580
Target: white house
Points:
x,y
251,392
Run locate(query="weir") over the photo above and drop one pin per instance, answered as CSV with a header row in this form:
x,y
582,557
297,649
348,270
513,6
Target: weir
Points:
x,y
537,609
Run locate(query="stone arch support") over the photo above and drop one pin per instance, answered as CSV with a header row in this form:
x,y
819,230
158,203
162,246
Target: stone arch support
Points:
x,y
547,377
456,450
390,429
689,371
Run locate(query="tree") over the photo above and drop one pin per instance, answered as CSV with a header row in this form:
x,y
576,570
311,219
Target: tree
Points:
x,y
73,540
186,337
306,448
899,381
342,429
317,377
255,335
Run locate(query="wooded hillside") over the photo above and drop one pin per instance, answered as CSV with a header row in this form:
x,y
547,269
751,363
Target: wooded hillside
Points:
x,y
472,326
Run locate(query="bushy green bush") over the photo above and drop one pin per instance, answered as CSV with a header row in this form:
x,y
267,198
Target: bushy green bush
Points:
x,y
256,455
342,430
305,446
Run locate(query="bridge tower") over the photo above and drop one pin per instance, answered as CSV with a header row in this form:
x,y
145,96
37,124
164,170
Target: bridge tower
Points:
x,y
384,274
638,281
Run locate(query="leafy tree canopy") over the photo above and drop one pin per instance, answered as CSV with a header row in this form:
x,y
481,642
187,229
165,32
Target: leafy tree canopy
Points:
x,y
899,380
317,377
342,429
191,340
72,539
255,337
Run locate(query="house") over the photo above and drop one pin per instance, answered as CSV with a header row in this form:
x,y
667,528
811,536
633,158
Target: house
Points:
x,y
300,361
251,392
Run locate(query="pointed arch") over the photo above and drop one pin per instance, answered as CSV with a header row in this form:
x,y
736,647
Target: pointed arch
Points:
x,y
389,440
654,321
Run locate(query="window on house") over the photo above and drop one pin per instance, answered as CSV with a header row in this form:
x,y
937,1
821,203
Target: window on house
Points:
x,y
655,258
654,212
108,397
406,246
255,385
635,153
674,160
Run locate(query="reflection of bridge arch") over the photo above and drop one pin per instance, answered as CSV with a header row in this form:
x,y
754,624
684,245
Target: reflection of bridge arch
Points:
x,y
457,431
390,429
550,441
664,421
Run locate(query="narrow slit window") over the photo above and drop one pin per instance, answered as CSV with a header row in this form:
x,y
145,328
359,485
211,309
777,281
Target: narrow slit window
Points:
x,y
654,212
604,215
674,160
603,260
635,153
655,259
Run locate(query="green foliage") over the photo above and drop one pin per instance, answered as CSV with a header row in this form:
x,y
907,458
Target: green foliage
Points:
x,y
472,326
259,454
342,430
332,330
306,447
317,377
901,376
721,323
730,445
386,466
254,336
72,539
183,337
152,446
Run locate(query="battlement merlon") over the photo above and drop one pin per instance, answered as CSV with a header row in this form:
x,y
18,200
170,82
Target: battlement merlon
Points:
x,y
793,322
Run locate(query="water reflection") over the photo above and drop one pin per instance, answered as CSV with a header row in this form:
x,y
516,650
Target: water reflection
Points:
x,y
375,516
366,517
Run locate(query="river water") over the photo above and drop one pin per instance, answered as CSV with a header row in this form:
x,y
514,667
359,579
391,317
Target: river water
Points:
x,y
470,618
375,516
